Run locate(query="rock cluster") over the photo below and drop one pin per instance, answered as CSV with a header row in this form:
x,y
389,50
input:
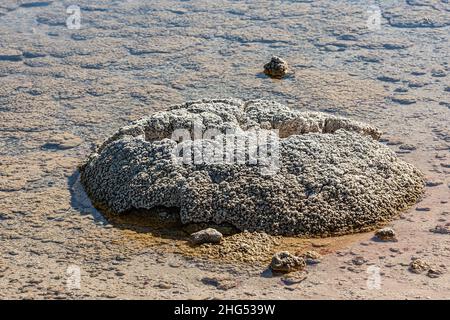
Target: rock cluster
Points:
x,y
331,175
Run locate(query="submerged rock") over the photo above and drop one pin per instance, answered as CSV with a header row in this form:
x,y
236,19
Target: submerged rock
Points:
x,y
285,262
276,67
319,175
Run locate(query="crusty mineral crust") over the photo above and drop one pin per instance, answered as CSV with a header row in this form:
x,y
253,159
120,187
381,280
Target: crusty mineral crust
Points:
x,y
334,176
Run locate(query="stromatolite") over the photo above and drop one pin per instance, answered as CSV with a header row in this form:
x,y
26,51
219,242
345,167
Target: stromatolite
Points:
x,y
331,175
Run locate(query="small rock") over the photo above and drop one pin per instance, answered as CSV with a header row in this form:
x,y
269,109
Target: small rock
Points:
x,y
434,272
441,229
386,234
209,235
433,183
418,266
312,257
276,68
359,260
221,283
294,278
285,262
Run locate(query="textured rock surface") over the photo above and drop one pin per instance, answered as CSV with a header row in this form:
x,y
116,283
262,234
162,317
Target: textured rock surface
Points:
x,y
285,262
208,235
386,234
418,266
333,178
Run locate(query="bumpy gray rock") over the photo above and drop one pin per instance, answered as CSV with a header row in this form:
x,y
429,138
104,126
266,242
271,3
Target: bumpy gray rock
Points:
x,y
208,235
285,262
333,176
276,67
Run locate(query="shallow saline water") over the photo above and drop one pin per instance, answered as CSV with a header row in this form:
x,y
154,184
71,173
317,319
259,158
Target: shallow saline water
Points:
x,y
64,90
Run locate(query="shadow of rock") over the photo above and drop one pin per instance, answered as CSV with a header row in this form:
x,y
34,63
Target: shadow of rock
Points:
x,y
162,222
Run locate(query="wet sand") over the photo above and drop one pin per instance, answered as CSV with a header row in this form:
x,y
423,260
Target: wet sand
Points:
x,y
63,91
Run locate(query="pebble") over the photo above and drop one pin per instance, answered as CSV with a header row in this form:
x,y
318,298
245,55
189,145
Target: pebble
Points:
x,y
386,234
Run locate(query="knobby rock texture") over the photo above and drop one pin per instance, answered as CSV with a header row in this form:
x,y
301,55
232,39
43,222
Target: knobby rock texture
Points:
x,y
332,175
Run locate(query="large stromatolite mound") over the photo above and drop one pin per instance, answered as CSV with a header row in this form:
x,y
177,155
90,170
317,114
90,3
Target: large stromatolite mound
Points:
x,y
332,175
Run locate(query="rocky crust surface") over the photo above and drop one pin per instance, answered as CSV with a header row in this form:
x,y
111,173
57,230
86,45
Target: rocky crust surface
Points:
x,y
276,67
333,176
